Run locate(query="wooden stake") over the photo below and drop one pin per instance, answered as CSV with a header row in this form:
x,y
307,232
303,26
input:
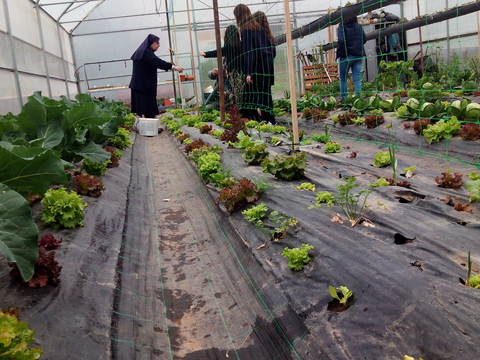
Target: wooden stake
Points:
x,y
221,87
420,38
291,72
193,57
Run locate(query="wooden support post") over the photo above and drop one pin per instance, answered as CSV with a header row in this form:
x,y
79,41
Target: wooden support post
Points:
x,y
291,72
331,38
193,57
420,38
221,87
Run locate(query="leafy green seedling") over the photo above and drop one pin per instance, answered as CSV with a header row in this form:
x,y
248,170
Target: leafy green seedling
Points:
x,y
381,159
62,209
325,197
306,186
284,224
297,257
472,281
255,214
332,147
380,182
346,294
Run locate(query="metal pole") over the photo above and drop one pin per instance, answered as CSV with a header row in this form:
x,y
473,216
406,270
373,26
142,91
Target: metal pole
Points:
x,y
171,53
193,57
180,87
221,88
12,51
42,44
198,80
65,73
293,93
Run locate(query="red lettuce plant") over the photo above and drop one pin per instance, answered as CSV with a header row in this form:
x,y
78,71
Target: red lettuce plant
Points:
x,y
114,157
205,129
182,137
238,194
421,124
89,185
449,180
346,118
470,131
46,268
196,144
237,124
372,121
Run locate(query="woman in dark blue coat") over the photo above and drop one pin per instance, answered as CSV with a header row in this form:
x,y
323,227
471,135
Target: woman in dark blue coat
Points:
x,y
144,77
259,52
350,53
233,57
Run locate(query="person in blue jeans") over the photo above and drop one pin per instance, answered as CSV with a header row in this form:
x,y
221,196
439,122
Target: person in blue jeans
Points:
x,y
350,53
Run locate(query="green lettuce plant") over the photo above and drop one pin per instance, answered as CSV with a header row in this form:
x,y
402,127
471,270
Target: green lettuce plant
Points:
x,y
274,140
15,339
255,155
62,209
346,294
442,130
209,164
381,159
121,140
297,257
208,117
332,147
245,141
473,187
306,186
380,182
94,168
324,197
256,214
217,133
286,167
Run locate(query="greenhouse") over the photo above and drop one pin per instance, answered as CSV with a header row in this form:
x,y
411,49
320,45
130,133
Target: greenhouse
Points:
x,y
316,198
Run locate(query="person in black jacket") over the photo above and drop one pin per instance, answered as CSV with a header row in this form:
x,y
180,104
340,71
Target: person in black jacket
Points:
x,y
258,52
233,58
144,77
350,53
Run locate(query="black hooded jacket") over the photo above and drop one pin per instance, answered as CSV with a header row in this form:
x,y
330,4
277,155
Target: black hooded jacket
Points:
x,y
145,65
351,38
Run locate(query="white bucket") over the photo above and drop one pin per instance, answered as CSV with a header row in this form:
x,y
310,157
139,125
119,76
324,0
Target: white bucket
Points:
x,y
148,127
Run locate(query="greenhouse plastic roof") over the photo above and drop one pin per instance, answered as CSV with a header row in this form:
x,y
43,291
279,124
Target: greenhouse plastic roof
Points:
x,y
68,13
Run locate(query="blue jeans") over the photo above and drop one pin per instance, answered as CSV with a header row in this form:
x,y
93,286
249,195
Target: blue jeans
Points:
x,y
344,65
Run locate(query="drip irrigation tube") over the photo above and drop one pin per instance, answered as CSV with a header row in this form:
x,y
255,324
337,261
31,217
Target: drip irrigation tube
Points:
x,y
335,18
412,24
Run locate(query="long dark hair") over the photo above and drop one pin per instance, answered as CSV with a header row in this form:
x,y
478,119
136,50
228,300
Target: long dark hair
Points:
x,y
262,20
245,20
232,37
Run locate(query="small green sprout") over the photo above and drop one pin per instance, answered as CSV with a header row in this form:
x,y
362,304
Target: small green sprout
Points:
x,y
346,294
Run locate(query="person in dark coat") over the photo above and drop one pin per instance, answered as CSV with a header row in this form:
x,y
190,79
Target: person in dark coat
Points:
x,y
233,58
259,52
144,77
350,53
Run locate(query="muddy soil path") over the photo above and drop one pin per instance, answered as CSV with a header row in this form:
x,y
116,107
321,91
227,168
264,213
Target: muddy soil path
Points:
x,y
186,288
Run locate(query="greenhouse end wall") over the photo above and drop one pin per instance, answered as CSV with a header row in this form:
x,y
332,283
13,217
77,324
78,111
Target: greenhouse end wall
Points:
x,y
36,55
